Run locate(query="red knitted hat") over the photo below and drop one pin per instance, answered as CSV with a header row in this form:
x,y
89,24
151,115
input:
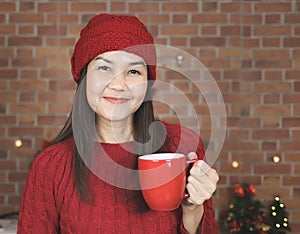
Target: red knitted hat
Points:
x,y
106,32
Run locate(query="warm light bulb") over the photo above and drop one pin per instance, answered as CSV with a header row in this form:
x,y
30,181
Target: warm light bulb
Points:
x,y
285,224
277,225
276,159
273,208
235,164
277,198
281,205
274,213
18,143
285,219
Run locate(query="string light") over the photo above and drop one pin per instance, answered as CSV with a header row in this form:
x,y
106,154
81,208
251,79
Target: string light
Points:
x,y
18,143
276,159
277,225
281,205
235,164
274,213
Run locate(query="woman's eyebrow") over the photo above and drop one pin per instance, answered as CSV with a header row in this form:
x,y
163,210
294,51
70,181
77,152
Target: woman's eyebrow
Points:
x,y
130,64
137,63
104,59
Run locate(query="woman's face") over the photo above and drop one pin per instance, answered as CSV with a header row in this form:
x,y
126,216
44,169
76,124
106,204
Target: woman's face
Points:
x,y
116,85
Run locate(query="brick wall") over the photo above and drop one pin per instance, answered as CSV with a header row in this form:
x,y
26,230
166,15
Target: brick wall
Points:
x,y
252,49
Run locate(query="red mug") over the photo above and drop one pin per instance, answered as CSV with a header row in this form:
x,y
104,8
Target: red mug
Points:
x,y
163,179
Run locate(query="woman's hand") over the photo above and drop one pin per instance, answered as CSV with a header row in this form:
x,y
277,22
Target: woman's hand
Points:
x,y
202,181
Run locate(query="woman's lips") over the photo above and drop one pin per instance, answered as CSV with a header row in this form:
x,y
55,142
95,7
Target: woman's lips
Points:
x,y
114,100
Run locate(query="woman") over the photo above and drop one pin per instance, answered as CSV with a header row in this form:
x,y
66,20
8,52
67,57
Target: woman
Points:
x,y
86,181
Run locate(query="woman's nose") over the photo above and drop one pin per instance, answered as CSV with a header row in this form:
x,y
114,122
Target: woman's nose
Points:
x,y
118,82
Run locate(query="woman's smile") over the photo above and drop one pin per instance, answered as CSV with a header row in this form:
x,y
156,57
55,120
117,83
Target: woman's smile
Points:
x,y
116,100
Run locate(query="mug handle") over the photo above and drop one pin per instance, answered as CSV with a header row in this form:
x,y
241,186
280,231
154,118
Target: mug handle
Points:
x,y
190,164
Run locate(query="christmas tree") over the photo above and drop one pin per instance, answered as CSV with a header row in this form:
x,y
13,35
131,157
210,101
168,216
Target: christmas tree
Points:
x,y
278,217
246,215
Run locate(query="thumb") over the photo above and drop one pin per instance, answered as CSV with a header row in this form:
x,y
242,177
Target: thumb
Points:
x,y
192,155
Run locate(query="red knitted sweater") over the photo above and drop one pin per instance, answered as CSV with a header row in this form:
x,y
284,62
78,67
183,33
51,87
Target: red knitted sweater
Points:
x,y
51,204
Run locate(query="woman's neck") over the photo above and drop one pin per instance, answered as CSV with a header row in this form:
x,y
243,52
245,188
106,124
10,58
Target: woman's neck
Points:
x,y
114,131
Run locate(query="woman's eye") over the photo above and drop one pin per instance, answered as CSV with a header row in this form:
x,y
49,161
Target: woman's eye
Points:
x,y
134,72
103,68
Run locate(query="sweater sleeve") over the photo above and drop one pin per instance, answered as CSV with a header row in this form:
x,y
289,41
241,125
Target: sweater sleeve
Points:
x,y
184,140
38,211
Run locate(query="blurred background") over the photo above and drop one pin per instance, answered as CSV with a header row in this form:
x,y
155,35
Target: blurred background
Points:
x,y
251,48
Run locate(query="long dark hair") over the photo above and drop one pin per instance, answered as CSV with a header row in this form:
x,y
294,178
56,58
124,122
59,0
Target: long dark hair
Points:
x,y
143,133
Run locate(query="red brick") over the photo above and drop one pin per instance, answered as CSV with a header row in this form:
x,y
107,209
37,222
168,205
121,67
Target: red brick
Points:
x,y
271,110
54,73
8,29
52,30
273,63
236,7
51,120
60,42
291,42
272,30
88,7
8,165
8,73
273,75
178,7
17,176
274,86
273,169
209,30
7,188
272,7
210,6
26,6
26,18
8,120
24,41
52,7
180,18
175,29
252,19
291,98
272,53
26,119
292,74
117,6
207,41
7,6
271,146
271,121
271,181
291,180
235,31
30,85
271,42
273,19
143,7
270,134
28,74
155,19
179,41
292,18
271,99
27,108
28,62
209,18
63,19
25,131
26,30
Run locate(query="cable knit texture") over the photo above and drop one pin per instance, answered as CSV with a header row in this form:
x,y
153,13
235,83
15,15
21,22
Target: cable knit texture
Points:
x,y
50,202
108,32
